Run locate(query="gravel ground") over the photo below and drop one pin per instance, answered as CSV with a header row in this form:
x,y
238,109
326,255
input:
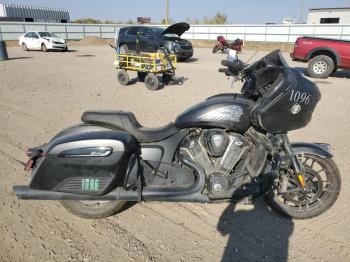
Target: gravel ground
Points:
x,y
41,93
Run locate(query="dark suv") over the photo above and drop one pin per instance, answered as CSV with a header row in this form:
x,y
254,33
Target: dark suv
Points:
x,y
151,39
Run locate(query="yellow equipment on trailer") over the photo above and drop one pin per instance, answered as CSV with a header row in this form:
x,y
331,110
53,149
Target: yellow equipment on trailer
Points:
x,y
147,66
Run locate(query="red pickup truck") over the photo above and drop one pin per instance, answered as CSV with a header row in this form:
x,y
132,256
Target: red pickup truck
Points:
x,y
324,55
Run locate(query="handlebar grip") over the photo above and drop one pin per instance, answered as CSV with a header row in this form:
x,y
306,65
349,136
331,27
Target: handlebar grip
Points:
x,y
226,63
235,66
222,70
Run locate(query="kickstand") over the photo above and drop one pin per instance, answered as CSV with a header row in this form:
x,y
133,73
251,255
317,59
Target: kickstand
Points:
x,y
139,187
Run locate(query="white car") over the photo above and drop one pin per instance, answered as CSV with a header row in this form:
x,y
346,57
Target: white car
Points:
x,y
42,41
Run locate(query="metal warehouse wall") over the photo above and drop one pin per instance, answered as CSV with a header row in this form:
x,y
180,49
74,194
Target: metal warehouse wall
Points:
x,y
38,14
258,33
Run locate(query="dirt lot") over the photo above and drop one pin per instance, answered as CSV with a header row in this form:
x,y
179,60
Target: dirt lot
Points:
x,y
41,93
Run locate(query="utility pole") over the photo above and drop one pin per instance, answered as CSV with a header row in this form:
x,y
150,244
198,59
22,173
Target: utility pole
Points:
x,y
167,12
301,11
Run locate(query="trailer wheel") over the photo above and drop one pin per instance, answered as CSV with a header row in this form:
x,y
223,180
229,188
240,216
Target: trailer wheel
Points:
x,y
93,209
320,66
141,76
166,78
123,77
151,82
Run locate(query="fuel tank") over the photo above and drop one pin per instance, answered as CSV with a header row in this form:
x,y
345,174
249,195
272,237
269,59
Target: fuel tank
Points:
x,y
229,111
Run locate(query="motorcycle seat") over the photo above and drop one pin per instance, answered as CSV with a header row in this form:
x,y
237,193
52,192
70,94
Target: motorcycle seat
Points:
x,y
126,121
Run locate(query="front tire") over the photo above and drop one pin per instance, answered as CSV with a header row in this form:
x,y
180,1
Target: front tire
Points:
x,y
123,49
323,184
24,47
320,66
43,48
93,209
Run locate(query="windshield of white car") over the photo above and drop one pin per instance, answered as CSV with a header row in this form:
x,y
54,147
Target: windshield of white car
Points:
x,y
47,34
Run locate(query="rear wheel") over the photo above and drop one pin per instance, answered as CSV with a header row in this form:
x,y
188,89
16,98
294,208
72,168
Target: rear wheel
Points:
x,y
43,47
123,77
123,49
24,47
151,82
323,183
320,66
93,209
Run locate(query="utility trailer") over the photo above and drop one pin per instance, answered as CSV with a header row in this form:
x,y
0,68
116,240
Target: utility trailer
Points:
x,y
147,66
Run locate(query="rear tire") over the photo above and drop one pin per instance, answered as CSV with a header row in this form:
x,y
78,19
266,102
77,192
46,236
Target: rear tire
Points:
x,y
320,66
325,183
123,77
93,209
24,47
151,82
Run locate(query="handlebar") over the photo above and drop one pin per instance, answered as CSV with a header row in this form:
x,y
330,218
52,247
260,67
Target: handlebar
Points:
x,y
258,76
233,68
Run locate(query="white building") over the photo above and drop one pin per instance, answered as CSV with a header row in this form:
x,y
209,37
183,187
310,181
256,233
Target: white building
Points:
x,y
329,16
23,13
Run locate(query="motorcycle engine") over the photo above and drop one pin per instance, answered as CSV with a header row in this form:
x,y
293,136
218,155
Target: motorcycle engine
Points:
x,y
219,153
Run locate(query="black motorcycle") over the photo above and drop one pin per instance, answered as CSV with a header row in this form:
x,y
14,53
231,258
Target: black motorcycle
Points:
x,y
231,147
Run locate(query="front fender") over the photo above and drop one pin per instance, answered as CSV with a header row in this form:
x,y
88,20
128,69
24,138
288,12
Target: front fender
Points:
x,y
312,148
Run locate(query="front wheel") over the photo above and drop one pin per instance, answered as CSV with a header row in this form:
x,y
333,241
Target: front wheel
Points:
x,y
93,209
24,47
43,47
215,49
323,183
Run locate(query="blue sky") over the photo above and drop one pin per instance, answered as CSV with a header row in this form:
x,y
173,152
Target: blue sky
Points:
x,y
238,11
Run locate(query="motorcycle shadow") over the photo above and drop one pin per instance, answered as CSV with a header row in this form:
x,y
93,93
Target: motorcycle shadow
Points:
x,y
259,234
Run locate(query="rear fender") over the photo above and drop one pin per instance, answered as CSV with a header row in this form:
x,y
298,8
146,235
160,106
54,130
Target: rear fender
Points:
x,y
318,149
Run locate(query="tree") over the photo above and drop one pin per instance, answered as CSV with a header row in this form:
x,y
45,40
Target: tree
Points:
x,y
171,21
219,18
87,21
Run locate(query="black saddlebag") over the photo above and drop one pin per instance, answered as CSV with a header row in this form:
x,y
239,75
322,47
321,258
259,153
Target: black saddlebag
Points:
x,y
84,159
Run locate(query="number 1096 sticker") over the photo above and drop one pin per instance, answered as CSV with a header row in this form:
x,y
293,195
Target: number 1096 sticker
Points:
x,y
300,97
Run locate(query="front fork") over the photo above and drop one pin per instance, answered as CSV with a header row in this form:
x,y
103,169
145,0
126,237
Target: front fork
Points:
x,y
298,169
